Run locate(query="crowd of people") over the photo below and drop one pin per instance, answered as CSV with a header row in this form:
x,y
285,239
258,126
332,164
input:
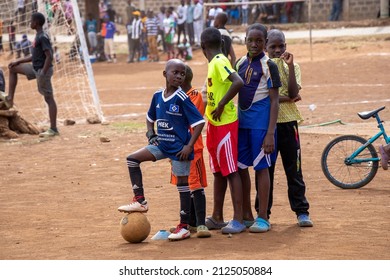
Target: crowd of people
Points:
x,y
176,30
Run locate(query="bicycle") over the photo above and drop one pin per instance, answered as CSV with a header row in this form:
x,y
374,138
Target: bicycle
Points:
x,y
350,161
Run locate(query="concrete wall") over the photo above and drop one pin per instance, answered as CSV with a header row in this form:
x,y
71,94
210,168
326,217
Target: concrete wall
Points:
x,y
352,9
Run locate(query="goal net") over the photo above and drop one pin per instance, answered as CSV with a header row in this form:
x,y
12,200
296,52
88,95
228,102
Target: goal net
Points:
x,y
73,83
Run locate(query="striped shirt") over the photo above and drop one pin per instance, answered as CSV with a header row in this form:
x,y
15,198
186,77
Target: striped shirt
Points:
x,y
152,26
136,29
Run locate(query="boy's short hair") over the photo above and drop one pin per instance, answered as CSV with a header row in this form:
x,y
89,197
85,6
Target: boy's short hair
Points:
x,y
276,33
189,74
257,26
39,18
211,38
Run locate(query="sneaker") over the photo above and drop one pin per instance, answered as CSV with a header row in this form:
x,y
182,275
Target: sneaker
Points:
x,y
5,101
233,227
260,225
202,232
49,133
134,206
190,228
181,232
384,158
304,221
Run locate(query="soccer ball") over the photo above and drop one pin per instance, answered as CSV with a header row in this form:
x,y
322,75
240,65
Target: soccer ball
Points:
x,y
134,227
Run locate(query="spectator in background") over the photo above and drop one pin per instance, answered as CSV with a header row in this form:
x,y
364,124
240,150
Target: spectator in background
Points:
x,y
198,21
24,46
11,35
160,17
21,11
68,10
102,11
109,49
297,11
182,19
244,14
135,45
337,7
213,12
190,22
129,11
111,12
152,32
91,27
144,37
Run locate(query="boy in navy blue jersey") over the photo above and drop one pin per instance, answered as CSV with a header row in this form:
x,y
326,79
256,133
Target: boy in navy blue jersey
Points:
x,y
173,112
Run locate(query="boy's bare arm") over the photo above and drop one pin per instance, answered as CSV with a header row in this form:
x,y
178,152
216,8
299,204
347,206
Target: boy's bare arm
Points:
x,y
293,89
269,140
236,85
187,149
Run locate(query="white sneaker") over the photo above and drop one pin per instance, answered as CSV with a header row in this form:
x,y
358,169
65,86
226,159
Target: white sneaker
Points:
x,y
135,206
179,234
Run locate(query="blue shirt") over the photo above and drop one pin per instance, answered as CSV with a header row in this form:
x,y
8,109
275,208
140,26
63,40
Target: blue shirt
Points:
x,y
111,29
173,117
259,74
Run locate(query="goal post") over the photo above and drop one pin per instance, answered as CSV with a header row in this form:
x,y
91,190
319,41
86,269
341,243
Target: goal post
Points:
x,y
73,81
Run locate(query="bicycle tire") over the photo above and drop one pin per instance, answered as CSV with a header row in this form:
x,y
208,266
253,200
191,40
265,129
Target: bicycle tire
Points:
x,y
348,175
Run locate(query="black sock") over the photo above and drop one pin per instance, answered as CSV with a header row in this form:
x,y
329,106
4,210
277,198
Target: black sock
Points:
x,y
200,206
185,203
136,179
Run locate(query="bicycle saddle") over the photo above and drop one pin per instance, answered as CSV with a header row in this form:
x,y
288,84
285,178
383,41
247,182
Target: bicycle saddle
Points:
x,y
368,114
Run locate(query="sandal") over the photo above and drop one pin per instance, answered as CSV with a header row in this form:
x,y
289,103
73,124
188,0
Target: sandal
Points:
x,y
211,223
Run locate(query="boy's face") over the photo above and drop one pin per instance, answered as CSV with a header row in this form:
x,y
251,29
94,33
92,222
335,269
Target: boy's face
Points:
x,y
255,42
175,73
33,23
275,46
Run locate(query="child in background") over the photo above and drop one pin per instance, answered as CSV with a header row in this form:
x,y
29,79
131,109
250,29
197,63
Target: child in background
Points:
x,y
184,50
173,112
227,47
169,31
223,83
40,69
288,143
197,179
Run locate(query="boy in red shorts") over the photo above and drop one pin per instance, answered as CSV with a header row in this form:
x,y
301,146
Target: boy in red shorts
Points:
x,y
223,83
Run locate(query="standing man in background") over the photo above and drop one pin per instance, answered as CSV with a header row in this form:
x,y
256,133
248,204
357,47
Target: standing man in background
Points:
x,y
181,21
190,22
198,21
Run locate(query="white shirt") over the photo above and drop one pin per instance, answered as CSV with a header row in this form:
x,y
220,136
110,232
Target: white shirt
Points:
x,y
213,13
198,12
182,14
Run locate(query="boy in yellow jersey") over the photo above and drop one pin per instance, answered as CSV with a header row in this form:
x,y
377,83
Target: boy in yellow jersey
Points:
x,y
223,83
288,143
197,178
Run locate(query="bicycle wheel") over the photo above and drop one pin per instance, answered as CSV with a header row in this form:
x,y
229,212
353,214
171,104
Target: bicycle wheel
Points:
x,y
346,173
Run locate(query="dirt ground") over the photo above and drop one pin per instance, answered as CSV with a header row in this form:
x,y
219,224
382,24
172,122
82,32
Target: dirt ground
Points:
x,y
59,198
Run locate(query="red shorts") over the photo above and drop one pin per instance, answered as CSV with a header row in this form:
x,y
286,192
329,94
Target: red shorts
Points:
x,y
197,178
222,144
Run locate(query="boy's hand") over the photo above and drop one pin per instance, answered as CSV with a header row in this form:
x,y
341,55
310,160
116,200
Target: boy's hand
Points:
x,y
288,58
185,152
298,98
13,64
269,143
217,113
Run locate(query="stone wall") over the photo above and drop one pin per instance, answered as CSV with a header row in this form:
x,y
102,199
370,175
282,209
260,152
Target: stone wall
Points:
x,y
352,9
